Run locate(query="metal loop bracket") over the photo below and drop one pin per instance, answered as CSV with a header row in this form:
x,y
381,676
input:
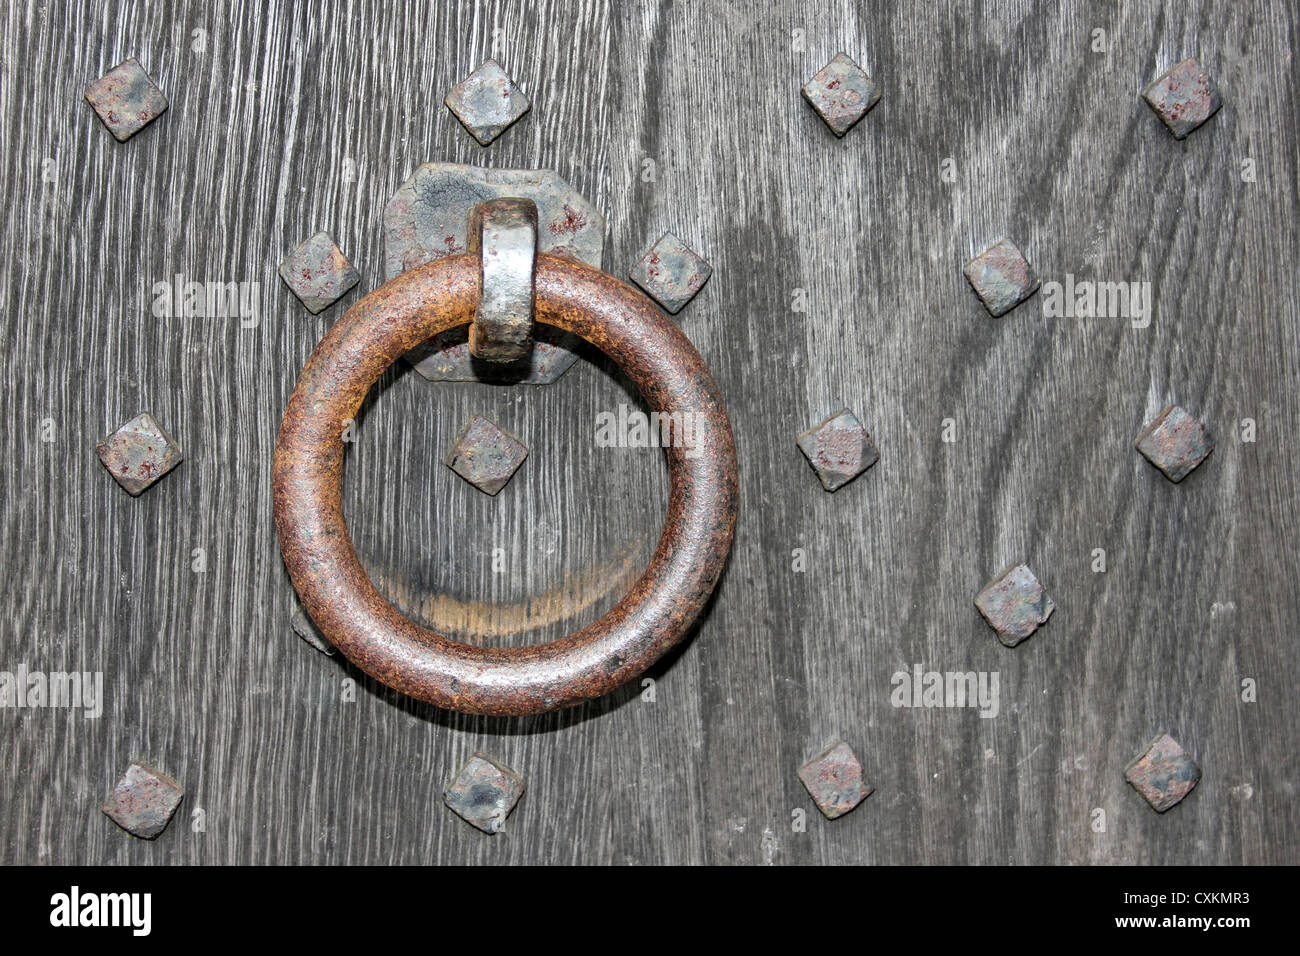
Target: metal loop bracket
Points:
x,y
503,234
655,615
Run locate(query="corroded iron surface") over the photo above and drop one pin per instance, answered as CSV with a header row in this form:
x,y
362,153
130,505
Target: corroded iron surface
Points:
x,y
318,272
841,93
654,616
143,801
139,453
1184,98
486,455
126,99
484,793
1175,442
1164,774
428,218
446,357
835,781
487,102
1001,277
1015,604
839,449
503,233
672,272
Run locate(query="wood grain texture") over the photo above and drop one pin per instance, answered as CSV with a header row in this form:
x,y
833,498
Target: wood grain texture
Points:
x,y
1051,145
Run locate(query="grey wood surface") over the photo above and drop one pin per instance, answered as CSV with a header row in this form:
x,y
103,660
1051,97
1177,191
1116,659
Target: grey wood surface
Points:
x,y
274,107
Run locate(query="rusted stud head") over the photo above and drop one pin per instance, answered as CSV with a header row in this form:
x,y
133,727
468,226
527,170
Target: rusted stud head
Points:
x,y
486,455
139,453
1015,604
306,628
1175,442
1184,98
671,273
835,781
318,273
841,93
484,793
839,449
1164,774
126,99
1002,277
143,801
487,102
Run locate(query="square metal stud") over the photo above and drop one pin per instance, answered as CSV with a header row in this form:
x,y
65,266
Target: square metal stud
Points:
x,y
484,793
671,273
318,273
841,93
1164,774
839,449
143,801
487,102
1015,604
1184,98
126,99
486,455
1001,277
139,453
835,781
1175,442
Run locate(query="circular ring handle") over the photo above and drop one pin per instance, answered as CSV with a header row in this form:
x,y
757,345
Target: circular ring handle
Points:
x,y
336,591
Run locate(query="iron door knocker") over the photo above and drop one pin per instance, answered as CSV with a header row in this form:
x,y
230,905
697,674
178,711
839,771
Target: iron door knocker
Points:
x,y
413,307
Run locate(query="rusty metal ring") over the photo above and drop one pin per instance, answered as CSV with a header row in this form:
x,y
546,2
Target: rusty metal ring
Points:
x,y
655,615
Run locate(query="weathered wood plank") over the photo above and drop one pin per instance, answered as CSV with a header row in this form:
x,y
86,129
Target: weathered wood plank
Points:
x,y
686,117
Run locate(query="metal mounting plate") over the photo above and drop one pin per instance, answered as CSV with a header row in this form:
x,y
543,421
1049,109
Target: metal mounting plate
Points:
x,y
427,219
